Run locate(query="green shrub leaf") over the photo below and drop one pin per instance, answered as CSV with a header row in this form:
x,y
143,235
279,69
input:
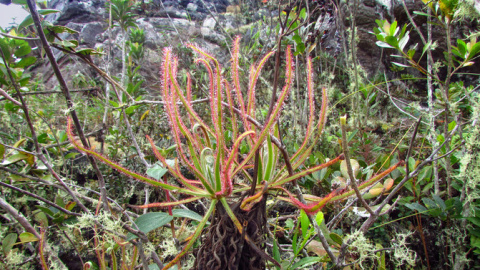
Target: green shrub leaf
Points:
x,y
304,262
27,237
157,171
416,206
185,213
149,222
8,242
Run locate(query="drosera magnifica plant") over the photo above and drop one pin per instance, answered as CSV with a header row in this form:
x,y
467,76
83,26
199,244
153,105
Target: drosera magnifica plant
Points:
x,y
221,176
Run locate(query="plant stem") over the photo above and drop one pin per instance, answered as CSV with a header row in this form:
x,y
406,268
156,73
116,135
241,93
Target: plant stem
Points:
x,y
63,86
353,180
40,199
18,217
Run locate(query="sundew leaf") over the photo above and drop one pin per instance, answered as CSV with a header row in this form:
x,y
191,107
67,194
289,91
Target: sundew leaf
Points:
x,y
149,222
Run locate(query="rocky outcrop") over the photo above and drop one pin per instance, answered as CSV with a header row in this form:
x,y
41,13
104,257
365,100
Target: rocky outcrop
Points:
x,y
213,24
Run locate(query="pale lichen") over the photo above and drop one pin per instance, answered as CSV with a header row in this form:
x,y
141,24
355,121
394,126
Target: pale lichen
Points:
x,y
361,246
401,253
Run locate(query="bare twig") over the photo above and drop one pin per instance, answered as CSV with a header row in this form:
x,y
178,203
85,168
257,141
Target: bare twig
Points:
x,y
17,37
412,140
63,86
18,149
7,96
40,199
346,153
18,217
58,92
67,142
74,247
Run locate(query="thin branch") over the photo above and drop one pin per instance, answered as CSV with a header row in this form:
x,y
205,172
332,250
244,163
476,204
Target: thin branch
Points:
x,y
332,223
451,151
17,37
67,142
40,199
412,140
74,247
63,86
18,217
393,102
353,180
18,149
55,92
7,96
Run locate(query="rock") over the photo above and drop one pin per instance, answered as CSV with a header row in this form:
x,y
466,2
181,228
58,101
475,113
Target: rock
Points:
x,y
175,22
81,11
89,33
209,22
191,7
365,15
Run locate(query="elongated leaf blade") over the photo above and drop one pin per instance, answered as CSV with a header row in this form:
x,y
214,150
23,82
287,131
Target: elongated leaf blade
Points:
x,y
8,242
304,262
185,213
400,65
149,222
27,237
384,45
